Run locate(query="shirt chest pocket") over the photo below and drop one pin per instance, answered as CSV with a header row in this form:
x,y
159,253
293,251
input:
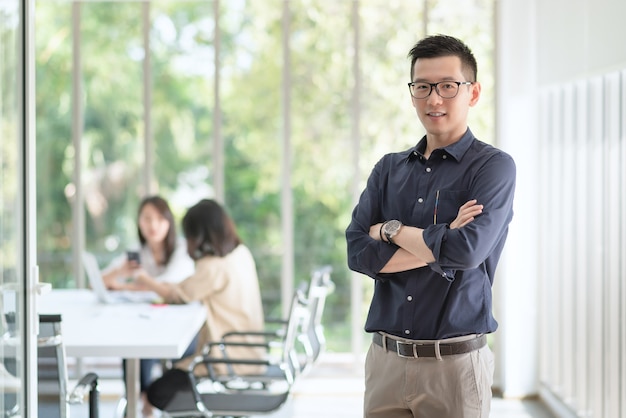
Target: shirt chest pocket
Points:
x,y
447,204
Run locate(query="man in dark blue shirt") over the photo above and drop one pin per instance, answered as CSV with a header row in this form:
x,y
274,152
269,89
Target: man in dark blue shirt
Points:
x,y
433,271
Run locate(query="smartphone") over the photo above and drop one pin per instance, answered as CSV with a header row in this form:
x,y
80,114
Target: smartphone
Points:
x,y
133,256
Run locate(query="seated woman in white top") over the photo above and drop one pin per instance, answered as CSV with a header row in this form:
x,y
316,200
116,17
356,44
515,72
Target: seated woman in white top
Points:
x,y
162,256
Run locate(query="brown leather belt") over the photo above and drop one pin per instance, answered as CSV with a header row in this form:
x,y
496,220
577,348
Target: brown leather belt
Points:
x,y
416,350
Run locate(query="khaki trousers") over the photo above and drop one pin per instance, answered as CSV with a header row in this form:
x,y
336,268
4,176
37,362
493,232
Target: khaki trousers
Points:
x,y
457,386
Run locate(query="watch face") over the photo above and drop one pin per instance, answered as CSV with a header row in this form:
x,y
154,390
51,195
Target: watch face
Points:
x,y
392,227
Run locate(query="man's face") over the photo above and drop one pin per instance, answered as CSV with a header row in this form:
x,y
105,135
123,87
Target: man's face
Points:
x,y
445,120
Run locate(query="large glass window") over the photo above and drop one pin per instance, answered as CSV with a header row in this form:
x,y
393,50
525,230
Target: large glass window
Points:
x,y
318,76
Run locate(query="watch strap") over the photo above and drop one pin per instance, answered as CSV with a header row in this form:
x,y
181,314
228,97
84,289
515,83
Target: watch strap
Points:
x,y
381,232
389,239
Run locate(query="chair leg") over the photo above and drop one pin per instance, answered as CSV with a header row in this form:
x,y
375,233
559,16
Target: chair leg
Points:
x,y
94,400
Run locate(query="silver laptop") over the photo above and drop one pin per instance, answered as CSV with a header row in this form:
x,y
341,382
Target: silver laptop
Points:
x,y
104,295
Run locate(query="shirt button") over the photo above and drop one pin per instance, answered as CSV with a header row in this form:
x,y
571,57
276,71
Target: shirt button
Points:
x,y
420,200
409,298
444,156
428,169
415,153
407,332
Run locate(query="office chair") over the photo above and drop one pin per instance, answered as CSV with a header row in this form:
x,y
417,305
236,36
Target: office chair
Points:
x,y
312,338
54,400
243,395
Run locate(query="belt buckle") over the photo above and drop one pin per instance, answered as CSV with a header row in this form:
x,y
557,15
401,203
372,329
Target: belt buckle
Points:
x,y
413,346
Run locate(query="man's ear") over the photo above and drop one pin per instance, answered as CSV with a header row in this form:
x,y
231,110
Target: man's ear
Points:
x,y
476,88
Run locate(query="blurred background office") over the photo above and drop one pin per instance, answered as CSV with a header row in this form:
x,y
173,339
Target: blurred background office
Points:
x,y
277,108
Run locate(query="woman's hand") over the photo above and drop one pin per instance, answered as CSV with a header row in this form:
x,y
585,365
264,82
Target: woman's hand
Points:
x,y
467,213
143,281
115,279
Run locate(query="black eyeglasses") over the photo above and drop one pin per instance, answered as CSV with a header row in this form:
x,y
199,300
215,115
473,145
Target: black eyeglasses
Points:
x,y
445,89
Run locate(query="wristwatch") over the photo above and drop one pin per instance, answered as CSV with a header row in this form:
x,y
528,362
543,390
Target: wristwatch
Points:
x,y
391,229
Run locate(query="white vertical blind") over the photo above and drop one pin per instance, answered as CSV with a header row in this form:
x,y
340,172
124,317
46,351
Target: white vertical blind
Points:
x,y
595,246
582,272
568,224
611,211
580,281
621,226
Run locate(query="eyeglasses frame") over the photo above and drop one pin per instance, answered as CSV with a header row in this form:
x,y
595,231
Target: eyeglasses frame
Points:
x,y
436,88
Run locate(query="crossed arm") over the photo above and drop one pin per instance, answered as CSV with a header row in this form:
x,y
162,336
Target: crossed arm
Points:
x,y
413,252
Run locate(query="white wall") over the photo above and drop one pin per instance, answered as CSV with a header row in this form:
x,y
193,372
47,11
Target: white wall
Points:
x,y
561,112
579,38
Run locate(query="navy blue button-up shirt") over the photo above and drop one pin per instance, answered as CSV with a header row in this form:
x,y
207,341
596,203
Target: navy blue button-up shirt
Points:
x,y
451,296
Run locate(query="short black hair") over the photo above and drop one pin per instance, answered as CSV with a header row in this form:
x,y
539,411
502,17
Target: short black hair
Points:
x,y
436,46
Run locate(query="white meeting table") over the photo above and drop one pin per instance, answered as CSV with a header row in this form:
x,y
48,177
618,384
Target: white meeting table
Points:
x,y
128,330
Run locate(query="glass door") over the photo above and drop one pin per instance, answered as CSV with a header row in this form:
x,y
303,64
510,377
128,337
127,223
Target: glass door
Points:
x,y
17,278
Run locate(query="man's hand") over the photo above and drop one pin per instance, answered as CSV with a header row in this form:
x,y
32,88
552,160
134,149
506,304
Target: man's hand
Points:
x,y
467,213
413,252
375,231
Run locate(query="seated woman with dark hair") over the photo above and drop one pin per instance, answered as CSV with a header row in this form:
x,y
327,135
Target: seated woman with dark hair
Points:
x,y
225,281
161,255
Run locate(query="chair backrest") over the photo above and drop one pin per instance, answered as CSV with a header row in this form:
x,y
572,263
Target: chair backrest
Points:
x,y
312,338
321,286
52,382
51,369
251,394
9,383
295,323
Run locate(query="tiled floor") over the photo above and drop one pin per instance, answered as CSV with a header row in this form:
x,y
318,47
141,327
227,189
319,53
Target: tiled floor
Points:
x,y
333,389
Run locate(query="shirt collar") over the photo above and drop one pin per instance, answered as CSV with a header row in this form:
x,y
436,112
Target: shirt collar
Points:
x,y
455,150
